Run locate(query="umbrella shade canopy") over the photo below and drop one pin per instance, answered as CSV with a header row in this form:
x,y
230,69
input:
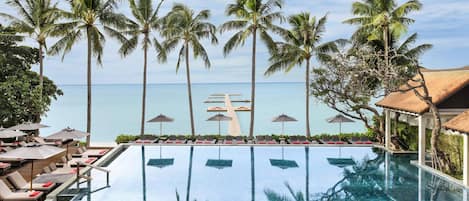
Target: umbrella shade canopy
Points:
x,y
219,117
33,152
283,164
339,119
283,118
28,126
68,133
219,163
161,118
161,162
11,134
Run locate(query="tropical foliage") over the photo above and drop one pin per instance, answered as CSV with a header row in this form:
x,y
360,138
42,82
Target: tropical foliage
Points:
x,y
252,17
89,19
21,99
186,27
146,21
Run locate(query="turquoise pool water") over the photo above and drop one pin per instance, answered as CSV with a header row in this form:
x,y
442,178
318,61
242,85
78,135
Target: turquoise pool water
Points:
x,y
226,173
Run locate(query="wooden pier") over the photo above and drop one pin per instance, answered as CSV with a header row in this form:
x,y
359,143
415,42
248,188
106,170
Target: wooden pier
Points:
x,y
234,128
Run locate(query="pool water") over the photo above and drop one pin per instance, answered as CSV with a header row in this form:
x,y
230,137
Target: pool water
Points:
x,y
243,173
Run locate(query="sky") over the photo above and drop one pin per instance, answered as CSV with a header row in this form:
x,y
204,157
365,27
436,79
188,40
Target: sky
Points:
x,y
445,24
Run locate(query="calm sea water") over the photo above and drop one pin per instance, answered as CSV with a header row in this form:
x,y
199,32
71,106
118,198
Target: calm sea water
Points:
x,y
116,109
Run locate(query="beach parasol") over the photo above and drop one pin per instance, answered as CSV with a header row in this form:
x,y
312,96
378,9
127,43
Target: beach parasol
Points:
x,y
28,126
160,119
219,118
32,152
283,118
161,162
11,134
219,163
68,133
282,163
339,119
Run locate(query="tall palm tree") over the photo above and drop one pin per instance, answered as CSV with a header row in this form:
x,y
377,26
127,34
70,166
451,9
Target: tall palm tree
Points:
x,y
382,20
183,26
89,18
301,44
146,21
252,17
37,19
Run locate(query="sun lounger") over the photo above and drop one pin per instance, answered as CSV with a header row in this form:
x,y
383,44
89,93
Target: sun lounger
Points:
x,y
83,152
176,139
81,161
146,140
298,140
227,140
326,140
200,139
46,170
7,195
365,140
336,140
265,140
65,170
355,140
4,167
20,183
239,140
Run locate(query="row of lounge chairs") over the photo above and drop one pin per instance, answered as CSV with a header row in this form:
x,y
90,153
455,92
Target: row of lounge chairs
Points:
x,y
20,188
258,140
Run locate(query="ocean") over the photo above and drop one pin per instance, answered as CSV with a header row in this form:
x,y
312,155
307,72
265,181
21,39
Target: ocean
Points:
x,y
116,109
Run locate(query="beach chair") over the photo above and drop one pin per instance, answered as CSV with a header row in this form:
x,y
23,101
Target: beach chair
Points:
x,y
365,140
298,140
172,139
270,140
4,167
199,139
326,140
210,140
260,139
336,140
7,195
20,183
239,140
355,140
72,162
146,140
227,140
83,152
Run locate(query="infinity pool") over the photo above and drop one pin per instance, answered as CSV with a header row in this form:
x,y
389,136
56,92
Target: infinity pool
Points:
x,y
227,173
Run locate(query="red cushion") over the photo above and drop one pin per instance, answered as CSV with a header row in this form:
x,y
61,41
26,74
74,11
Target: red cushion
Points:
x,y
47,184
34,193
73,171
272,142
296,142
199,142
358,142
306,142
229,142
89,160
368,142
339,142
330,143
103,152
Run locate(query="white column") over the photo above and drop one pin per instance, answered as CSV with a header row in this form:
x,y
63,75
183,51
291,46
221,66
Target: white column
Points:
x,y
422,128
387,129
465,163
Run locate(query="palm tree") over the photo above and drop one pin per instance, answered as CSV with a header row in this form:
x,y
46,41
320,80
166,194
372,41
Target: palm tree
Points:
x,y
183,26
301,44
252,17
382,20
89,18
37,19
146,21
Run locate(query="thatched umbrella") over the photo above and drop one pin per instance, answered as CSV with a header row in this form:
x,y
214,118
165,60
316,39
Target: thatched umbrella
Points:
x,y
33,152
339,119
68,133
160,119
283,118
11,134
28,126
219,118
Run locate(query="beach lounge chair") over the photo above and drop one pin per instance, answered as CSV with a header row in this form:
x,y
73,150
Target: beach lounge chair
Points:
x,y
81,161
355,140
366,140
239,140
20,183
7,195
298,140
270,140
46,170
200,139
336,140
210,140
4,167
172,139
83,152
265,140
146,140
227,140
326,140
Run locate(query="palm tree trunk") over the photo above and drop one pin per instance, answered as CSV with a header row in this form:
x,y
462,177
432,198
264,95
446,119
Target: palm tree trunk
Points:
x,y
88,114
189,90
308,132
253,83
41,68
144,93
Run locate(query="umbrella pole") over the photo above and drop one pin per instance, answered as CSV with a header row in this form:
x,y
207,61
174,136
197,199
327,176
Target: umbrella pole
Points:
x,y
31,182
161,128
283,127
340,128
219,127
